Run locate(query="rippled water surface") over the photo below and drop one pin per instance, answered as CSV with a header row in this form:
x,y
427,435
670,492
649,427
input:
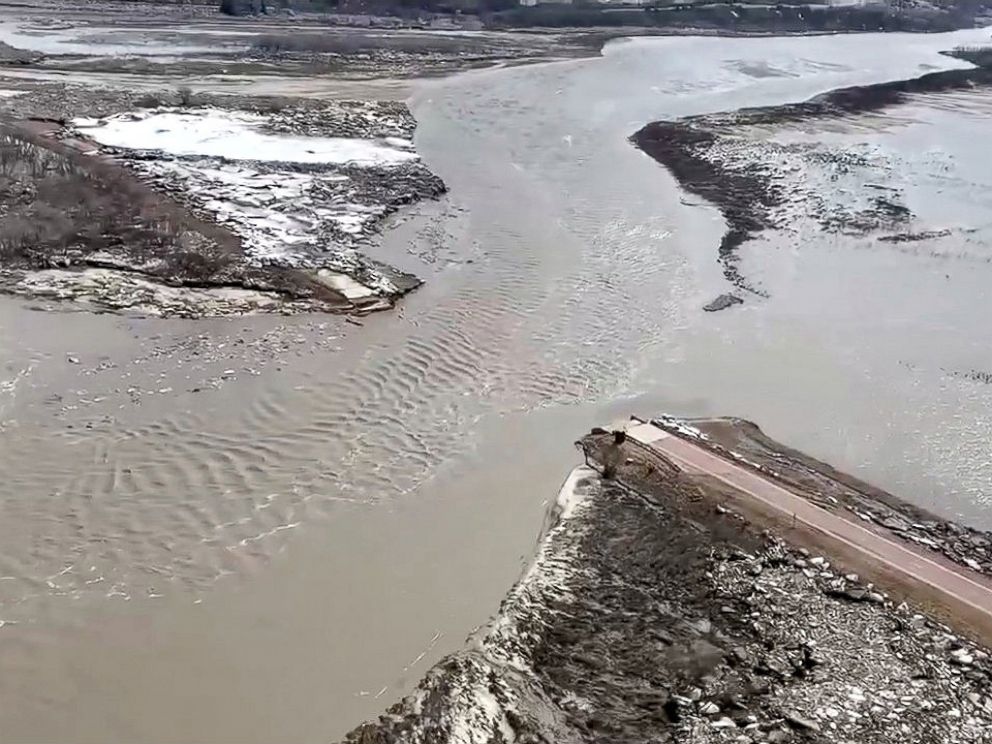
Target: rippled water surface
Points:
x,y
247,529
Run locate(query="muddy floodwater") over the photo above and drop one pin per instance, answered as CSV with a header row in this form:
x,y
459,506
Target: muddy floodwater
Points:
x,y
268,528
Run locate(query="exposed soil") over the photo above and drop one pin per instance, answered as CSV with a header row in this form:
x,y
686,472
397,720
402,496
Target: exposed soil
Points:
x,y
71,211
712,156
127,224
12,56
124,229
723,302
748,196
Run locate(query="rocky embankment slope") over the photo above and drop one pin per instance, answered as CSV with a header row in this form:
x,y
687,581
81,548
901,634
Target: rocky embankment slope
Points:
x,y
654,613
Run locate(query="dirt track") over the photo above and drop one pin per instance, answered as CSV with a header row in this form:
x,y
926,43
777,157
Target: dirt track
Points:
x,y
959,593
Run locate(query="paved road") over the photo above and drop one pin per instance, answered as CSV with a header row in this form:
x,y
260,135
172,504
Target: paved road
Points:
x,y
946,582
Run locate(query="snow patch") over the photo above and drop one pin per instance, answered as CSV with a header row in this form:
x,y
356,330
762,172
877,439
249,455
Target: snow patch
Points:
x,y
235,135
295,200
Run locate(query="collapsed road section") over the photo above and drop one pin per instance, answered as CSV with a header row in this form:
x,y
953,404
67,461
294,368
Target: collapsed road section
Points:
x,y
682,593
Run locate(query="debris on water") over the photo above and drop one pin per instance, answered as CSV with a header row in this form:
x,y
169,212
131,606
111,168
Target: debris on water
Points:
x,y
722,302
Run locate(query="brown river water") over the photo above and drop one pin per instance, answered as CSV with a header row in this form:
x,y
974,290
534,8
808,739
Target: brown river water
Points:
x,y
268,528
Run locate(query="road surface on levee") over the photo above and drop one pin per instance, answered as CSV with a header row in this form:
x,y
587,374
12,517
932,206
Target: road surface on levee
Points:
x,y
959,591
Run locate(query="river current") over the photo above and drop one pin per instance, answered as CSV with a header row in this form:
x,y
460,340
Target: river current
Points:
x,y
246,529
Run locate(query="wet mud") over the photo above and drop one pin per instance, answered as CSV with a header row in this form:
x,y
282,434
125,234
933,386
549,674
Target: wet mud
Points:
x,y
752,180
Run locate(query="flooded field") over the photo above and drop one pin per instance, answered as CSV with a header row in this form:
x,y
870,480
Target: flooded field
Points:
x,y
275,525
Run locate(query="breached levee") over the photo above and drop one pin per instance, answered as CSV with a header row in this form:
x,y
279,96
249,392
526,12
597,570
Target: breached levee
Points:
x,y
653,612
487,691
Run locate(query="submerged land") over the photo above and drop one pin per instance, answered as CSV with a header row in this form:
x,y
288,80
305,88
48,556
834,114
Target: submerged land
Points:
x,y
667,600
164,162
733,161
121,196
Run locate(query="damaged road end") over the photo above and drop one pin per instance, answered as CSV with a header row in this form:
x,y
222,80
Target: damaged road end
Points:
x,y
655,612
208,211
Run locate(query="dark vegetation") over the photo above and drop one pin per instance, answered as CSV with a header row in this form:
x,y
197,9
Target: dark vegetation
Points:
x,y
405,53
758,16
353,43
243,7
395,8
745,197
54,212
742,18
186,96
